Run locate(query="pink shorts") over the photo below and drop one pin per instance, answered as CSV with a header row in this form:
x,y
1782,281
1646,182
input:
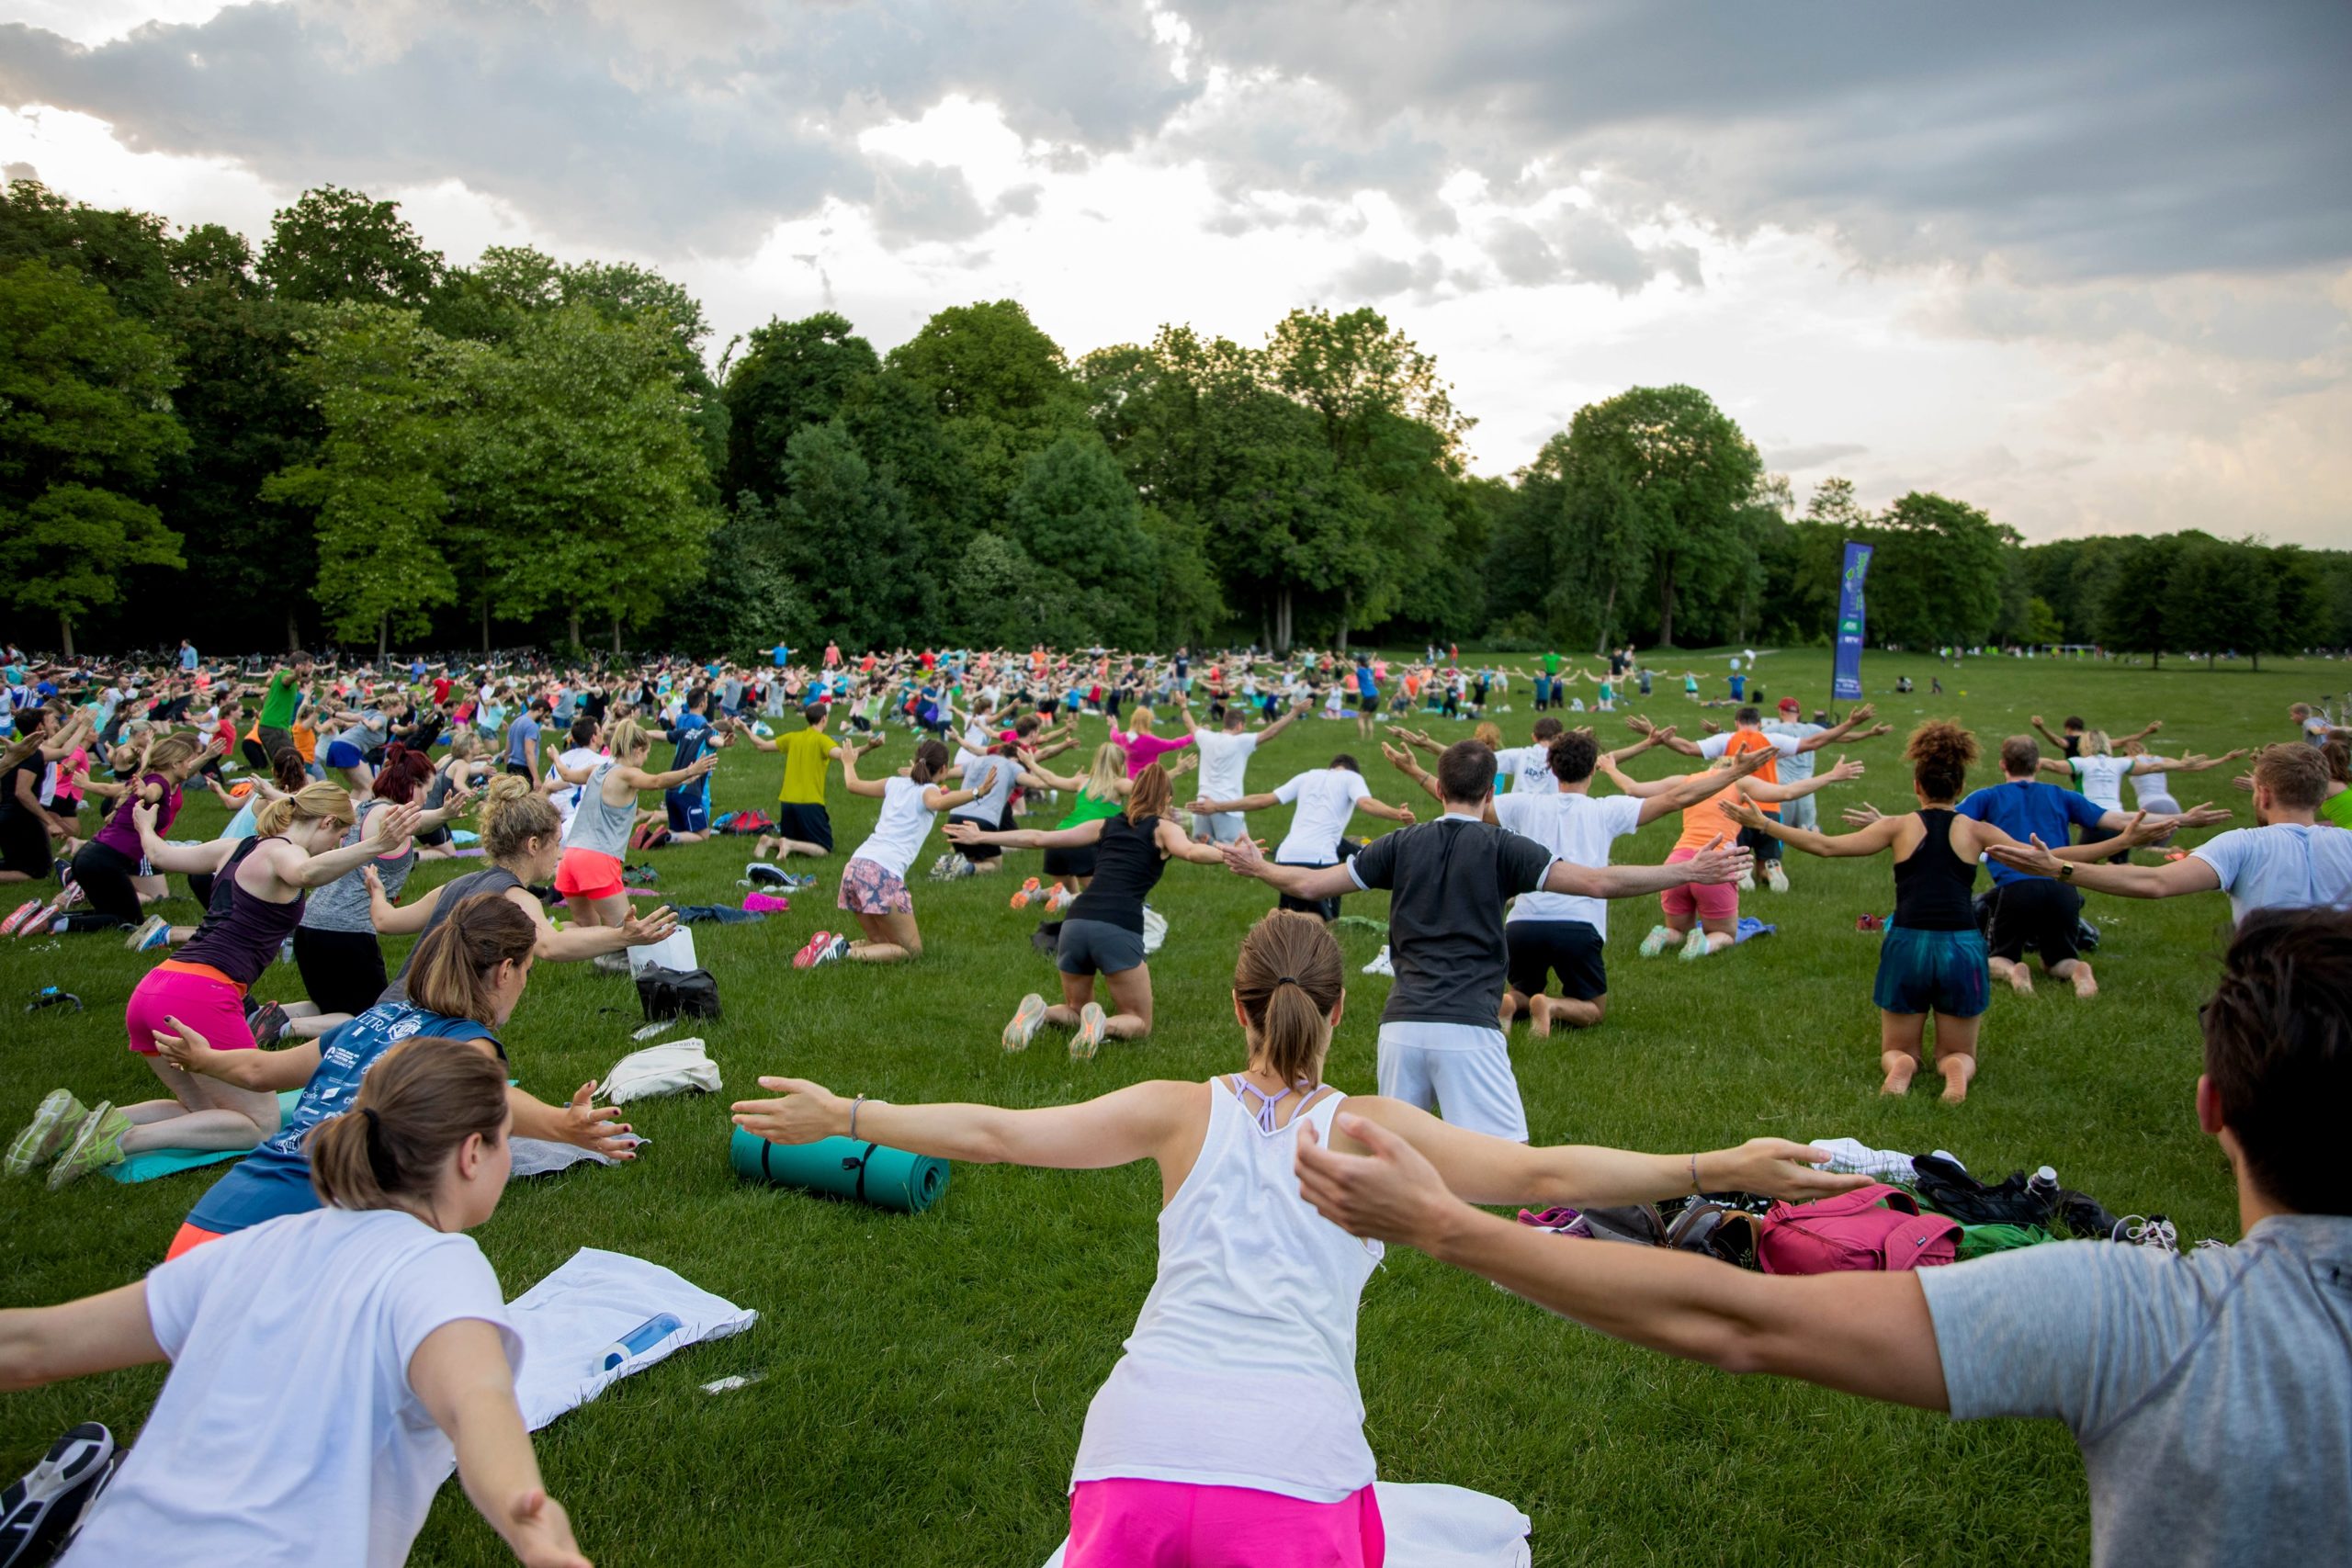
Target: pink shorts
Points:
x,y
867,889
588,873
1707,900
203,998
1169,1524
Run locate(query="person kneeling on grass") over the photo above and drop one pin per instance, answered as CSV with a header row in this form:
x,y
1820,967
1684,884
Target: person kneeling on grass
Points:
x,y
874,886
327,1368
2211,1394
1103,932
260,885
1232,1428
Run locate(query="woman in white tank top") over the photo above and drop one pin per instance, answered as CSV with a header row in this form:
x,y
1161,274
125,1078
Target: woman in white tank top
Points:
x,y
1231,1431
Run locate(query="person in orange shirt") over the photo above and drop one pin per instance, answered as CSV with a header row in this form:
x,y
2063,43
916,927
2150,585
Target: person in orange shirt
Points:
x,y
1703,917
1748,735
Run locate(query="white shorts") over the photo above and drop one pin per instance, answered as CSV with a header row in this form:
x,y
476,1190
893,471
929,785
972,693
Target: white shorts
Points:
x,y
1472,1088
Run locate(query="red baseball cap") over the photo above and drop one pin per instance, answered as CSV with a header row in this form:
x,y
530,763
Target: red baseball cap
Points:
x,y
1788,705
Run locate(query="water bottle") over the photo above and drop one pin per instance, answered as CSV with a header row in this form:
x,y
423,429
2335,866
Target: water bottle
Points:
x,y
641,1339
2044,1186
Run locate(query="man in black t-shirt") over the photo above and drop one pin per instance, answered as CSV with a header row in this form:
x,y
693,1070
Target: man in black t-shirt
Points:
x,y
1442,1045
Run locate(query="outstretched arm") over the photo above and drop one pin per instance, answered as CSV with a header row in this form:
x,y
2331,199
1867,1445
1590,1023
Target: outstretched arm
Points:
x,y
1867,840
1243,857
1260,802
1717,863
1694,1307
1139,1122
2170,880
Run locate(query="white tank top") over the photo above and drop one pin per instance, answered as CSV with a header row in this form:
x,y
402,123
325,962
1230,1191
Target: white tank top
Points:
x,y
1241,1370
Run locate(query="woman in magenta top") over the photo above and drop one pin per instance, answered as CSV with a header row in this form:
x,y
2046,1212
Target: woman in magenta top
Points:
x,y
1143,747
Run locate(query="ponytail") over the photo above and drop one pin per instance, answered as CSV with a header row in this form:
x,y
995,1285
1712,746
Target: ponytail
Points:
x,y
421,1101
403,770
450,971
1287,980
931,759
316,801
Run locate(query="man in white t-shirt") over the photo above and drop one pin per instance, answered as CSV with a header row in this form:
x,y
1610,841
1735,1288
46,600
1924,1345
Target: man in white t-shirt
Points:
x,y
1526,768
1747,734
2289,861
1563,933
1225,758
1324,800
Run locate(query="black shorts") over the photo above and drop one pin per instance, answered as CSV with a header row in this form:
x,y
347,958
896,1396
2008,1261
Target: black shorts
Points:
x,y
520,770
1570,949
804,824
2034,912
1076,862
975,853
342,971
2092,834
1767,847
1325,909
24,844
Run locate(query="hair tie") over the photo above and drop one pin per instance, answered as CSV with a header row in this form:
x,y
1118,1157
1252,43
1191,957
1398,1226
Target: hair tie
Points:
x,y
1285,979
380,1161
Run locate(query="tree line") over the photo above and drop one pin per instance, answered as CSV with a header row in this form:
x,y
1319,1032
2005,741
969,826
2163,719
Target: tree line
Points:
x,y
343,436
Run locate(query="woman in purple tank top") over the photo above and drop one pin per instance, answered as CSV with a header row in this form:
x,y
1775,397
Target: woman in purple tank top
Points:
x,y
257,897
105,873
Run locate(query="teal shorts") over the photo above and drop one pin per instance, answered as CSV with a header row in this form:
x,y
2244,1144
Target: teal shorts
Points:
x,y
1932,972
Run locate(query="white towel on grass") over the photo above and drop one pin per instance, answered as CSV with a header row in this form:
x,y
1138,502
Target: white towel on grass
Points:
x,y
1434,1526
567,1320
675,1066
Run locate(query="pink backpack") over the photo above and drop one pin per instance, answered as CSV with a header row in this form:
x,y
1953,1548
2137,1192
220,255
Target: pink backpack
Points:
x,y
1871,1227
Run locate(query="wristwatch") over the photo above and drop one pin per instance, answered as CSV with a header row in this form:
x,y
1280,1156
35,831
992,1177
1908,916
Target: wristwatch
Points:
x,y
2066,871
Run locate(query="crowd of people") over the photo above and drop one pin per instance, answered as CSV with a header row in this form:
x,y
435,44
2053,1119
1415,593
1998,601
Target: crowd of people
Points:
x,y
1231,1429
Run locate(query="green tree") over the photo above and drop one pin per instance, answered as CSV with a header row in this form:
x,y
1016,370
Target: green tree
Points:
x,y
390,393
86,428
1000,388
336,246
1076,514
125,253
1660,478
2133,612
580,478
1940,572
791,374
851,544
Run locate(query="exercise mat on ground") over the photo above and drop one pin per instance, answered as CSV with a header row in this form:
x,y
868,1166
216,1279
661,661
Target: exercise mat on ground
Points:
x,y
844,1167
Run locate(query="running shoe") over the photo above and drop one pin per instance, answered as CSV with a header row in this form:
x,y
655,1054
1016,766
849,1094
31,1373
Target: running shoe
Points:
x,y
1062,900
1025,1020
958,868
1774,877
1747,882
807,957
69,893
834,951
610,963
96,1144
45,1134
269,1023
939,872
1657,942
153,932
22,915
1020,900
1380,964
1696,944
38,1510
760,873
1093,1025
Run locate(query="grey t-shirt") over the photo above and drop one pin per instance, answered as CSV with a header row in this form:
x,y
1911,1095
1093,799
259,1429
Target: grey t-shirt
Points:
x,y
2211,1394
994,777
343,904
1448,881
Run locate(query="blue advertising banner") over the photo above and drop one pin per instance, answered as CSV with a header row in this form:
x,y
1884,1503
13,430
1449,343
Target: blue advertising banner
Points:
x,y
1846,685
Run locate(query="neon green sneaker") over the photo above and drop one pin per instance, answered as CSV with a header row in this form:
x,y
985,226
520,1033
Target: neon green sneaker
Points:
x,y
97,1144
1657,942
46,1133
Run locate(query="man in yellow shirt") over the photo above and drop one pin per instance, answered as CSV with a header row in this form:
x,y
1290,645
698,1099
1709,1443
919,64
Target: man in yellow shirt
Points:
x,y
802,826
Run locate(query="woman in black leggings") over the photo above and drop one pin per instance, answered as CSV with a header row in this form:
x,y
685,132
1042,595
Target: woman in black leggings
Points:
x,y
104,870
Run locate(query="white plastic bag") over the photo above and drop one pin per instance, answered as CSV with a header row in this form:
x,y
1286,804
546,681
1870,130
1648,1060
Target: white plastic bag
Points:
x,y
676,951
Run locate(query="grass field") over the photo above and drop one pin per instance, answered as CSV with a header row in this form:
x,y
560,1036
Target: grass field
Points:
x,y
924,1378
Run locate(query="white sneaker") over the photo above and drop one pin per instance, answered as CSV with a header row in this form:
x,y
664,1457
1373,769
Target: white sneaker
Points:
x,y
1380,964
1093,1028
760,874
1026,1019
1696,944
1774,877
1657,942
1747,882
153,933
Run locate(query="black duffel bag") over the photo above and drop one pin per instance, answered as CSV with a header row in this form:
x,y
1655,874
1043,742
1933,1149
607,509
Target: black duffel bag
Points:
x,y
677,993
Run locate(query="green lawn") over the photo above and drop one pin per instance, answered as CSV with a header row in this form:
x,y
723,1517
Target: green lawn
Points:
x,y
925,1378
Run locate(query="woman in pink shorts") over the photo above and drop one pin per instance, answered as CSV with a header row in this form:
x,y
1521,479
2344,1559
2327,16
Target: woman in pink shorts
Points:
x,y
1231,1434
873,883
259,887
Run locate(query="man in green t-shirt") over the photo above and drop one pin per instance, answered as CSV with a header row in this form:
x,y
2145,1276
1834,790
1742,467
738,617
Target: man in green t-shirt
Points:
x,y
281,701
802,826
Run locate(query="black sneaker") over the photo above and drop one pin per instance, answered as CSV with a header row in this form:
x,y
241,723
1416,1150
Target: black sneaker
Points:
x,y
38,1511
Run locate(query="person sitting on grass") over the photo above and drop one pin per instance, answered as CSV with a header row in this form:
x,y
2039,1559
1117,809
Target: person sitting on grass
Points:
x,y
2211,1394
326,1370
1234,1416
1103,932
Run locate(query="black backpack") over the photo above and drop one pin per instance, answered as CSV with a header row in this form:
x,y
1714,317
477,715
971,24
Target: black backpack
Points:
x,y
677,993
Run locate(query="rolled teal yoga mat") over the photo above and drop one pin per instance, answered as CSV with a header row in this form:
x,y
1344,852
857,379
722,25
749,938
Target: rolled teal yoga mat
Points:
x,y
844,1167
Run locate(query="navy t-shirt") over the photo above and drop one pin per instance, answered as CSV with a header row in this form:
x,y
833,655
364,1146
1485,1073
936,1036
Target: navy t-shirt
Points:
x,y
276,1177
2024,808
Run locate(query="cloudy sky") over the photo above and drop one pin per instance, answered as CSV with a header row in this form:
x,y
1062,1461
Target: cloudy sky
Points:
x,y
2089,268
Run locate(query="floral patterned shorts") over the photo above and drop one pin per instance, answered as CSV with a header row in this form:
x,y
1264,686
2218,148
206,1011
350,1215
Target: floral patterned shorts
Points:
x,y
867,889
